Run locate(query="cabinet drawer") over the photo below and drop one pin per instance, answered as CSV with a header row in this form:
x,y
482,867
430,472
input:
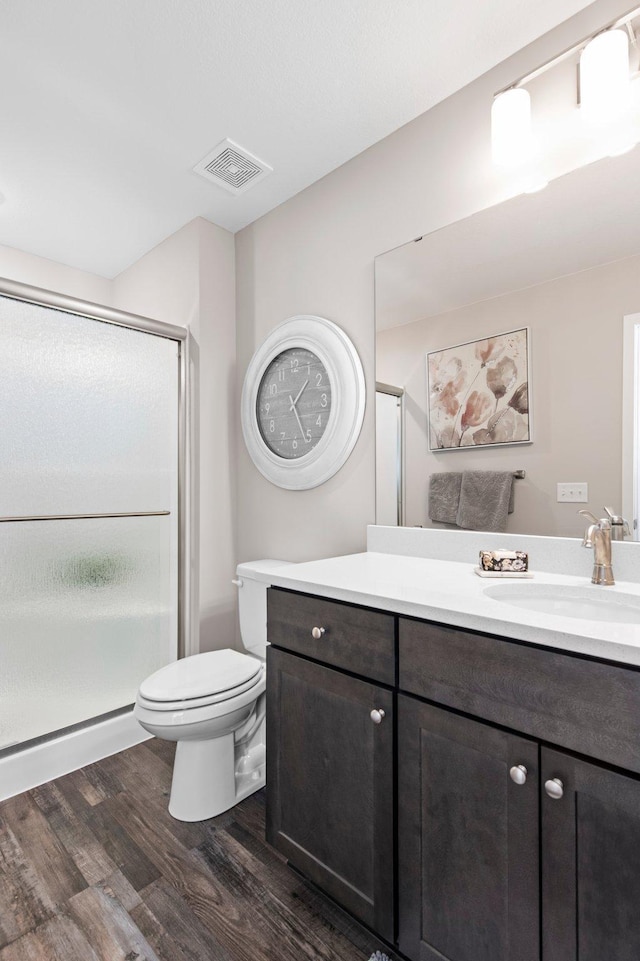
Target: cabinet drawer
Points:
x,y
355,638
587,706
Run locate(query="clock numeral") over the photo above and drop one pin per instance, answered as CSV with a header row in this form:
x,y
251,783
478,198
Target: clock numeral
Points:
x,y
299,436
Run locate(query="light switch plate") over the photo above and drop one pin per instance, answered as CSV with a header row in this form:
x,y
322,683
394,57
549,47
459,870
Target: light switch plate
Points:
x,y
573,493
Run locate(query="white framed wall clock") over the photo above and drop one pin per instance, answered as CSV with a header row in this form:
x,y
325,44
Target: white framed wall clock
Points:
x,y
303,402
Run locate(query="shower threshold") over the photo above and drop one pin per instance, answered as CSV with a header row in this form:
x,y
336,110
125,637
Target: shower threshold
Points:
x,y
27,764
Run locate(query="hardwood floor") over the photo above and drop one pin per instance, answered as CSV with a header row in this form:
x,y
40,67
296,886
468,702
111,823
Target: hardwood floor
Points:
x,y
93,868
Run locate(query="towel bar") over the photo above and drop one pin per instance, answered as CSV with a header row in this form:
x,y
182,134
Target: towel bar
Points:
x,y
519,474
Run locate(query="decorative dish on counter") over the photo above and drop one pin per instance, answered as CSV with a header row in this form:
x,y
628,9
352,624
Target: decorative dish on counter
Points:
x,y
503,564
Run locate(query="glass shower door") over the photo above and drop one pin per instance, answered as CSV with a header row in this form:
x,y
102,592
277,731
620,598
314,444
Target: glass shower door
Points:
x,y
88,516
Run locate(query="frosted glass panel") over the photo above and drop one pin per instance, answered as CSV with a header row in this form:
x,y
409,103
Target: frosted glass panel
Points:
x,y
87,611
88,415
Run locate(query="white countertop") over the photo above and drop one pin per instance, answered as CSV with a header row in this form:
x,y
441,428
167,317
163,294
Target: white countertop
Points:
x,y
451,593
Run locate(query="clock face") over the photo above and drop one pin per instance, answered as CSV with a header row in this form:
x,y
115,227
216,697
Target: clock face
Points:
x,y
293,403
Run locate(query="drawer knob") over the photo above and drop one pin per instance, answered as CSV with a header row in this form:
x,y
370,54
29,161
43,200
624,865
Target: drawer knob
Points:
x,y
518,773
554,788
377,715
317,632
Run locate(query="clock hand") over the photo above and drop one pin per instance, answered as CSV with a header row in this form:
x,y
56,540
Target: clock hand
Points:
x,y
304,436
294,402
295,410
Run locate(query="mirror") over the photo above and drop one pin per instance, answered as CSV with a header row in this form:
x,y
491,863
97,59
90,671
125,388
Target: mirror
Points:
x,y
564,263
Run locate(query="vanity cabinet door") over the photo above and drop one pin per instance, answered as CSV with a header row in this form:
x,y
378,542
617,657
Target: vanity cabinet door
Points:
x,y
468,839
590,861
330,783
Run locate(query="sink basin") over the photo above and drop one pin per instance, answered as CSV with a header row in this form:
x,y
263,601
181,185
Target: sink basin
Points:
x,y
591,604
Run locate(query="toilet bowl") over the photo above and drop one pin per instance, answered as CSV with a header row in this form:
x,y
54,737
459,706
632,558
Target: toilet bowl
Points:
x,y
213,706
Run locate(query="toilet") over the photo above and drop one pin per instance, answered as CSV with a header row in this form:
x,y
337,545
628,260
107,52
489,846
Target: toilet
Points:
x,y
213,705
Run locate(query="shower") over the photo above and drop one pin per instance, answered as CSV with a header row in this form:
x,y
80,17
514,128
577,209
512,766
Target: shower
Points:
x,y
92,453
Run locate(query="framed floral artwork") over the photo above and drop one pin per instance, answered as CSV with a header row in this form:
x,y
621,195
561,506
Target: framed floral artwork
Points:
x,y
479,393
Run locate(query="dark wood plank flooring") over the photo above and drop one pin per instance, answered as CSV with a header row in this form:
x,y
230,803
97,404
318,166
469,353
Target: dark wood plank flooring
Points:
x,y
93,868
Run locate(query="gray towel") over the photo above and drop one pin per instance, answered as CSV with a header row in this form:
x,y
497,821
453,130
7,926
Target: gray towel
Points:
x,y
485,498
444,496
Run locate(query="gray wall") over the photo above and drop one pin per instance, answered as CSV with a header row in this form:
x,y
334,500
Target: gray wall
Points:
x,y
314,254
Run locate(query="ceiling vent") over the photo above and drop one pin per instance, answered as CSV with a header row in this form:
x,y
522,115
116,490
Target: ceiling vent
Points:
x,y
232,167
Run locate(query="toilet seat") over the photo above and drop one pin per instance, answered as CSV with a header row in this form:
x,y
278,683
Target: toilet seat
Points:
x,y
200,680
187,704
187,719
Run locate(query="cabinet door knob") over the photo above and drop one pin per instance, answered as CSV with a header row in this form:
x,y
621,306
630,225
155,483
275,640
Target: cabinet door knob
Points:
x,y
376,716
554,788
317,632
518,773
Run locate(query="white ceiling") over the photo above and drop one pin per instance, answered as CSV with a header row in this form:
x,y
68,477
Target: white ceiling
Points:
x,y
108,104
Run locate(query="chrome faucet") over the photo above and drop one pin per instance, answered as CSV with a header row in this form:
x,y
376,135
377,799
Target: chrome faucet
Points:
x,y
619,526
598,536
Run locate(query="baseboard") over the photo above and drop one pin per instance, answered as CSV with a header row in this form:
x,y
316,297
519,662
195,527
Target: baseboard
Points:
x,y
50,759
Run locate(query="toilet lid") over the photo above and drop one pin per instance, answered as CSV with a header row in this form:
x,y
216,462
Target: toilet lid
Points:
x,y
200,675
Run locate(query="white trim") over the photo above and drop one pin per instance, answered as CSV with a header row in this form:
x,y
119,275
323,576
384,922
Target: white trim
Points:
x,y
344,368
630,439
51,759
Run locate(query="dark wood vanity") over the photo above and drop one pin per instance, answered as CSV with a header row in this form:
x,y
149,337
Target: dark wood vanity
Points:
x,y
468,797
330,795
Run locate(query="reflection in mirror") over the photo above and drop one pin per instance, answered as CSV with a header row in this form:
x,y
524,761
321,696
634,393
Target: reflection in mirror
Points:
x,y
564,263
389,455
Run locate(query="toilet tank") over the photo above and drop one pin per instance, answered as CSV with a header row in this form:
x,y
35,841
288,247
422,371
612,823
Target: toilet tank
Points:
x,y
255,578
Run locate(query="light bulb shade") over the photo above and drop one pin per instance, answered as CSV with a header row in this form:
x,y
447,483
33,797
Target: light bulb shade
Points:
x,y
605,88
512,142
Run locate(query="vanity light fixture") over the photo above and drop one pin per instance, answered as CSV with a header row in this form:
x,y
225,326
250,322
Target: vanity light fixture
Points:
x,y
514,147
511,133
610,116
604,77
605,90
